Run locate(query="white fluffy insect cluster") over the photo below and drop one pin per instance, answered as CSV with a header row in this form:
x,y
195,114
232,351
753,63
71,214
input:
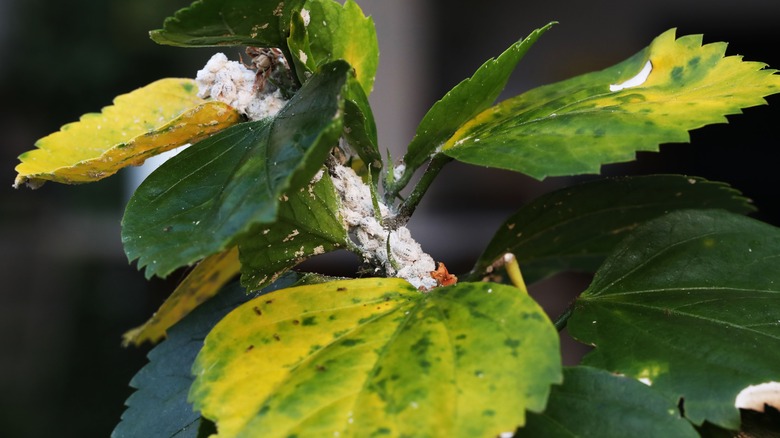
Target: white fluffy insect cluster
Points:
x,y
357,211
231,82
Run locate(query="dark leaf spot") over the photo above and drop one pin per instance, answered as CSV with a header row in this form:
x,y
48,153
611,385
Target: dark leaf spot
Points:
x,y
677,74
351,342
258,312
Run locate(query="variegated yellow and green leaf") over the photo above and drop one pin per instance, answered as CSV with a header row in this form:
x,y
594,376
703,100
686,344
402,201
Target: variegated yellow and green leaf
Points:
x,y
358,358
202,283
159,407
465,101
575,126
143,123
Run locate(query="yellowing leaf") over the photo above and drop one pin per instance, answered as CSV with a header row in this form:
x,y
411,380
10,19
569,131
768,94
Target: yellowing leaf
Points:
x,y
654,97
205,280
369,357
145,122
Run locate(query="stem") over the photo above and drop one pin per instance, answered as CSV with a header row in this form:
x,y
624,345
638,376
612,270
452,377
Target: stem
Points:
x,y
513,271
410,204
563,318
290,65
394,187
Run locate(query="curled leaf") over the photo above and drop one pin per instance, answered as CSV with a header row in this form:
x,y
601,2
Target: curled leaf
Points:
x,y
205,280
150,120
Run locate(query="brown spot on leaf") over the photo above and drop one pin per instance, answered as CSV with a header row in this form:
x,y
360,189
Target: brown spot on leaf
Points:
x,y
341,289
250,348
258,312
277,337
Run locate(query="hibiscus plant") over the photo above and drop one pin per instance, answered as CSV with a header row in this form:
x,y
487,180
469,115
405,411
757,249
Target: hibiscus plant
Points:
x,y
283,165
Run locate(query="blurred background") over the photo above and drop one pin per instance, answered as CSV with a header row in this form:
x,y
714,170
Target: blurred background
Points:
x,y
67,292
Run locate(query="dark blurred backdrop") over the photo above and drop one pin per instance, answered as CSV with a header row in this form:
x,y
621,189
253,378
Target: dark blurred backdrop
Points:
x,y
67,292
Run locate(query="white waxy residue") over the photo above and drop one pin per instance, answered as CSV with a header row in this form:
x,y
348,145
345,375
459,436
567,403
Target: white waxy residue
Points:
x,y
357,212
754,397
636,81
234,84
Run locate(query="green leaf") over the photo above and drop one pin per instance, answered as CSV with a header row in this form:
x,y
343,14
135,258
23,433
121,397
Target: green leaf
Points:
x,y
690,302
465,101
360,128
308,224
202,200
143,123
258,23
575,228
377,357
339,41
159,406
200,284
575,126
332,32
300,48
595,403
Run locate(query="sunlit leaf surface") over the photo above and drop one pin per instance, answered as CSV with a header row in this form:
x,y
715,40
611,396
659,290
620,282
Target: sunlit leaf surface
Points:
x,y
338,32
689,302
575,126
465,101
148,121
377,357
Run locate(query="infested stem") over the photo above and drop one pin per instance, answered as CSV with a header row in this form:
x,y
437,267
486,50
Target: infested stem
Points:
x,y
408,206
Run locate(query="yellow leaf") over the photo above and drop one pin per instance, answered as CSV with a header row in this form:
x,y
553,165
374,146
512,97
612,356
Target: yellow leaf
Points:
x,y
202,283
150,120
376,357
575,126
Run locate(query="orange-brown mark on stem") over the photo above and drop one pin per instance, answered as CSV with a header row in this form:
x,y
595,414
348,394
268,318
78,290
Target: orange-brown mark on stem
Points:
x,y
443,277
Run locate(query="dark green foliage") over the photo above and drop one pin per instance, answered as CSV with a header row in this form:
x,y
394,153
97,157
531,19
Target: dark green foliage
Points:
x,y
575,228
159,407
